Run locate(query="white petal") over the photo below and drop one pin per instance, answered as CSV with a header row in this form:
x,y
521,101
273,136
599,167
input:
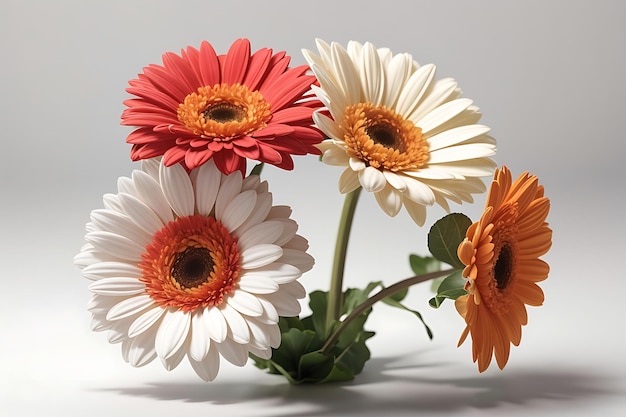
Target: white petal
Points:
x,y
129,307
461,153
151,167
390,200
434,172
356,164
172,333
231,187
479,167
117,286
259,213
260,334
397,71
420,193
456,136
348,181
257,284
112,202
141,350
373,79
294,289
301,260
111,269
245,303
215,324
416,211
265,232
237,327
150,193
120,224
261,353
174,360
208,368
141,215
101,305
327,125
234,353
280,273
372,179
260,255
200,341
145,321
290,227
206,183
347,77
115,245
177,189
414,90
441,115
126,185
441,92
270,315
335,156
395,180
239,209
285,305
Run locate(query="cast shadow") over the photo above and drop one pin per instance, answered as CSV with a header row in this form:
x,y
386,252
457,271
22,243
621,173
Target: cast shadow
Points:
x,y
390,385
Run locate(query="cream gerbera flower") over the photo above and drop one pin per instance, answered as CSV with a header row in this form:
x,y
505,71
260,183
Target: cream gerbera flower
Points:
x,y
199,265
404,136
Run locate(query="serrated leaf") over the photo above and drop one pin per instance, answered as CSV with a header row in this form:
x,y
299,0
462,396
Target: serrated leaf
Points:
x,y
316,366
445,236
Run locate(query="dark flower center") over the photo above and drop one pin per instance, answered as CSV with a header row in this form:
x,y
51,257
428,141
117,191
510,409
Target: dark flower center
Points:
x,y
386,135
503,268
192,267
224,112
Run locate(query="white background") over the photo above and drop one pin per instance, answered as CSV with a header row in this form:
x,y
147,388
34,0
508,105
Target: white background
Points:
x,y
549,79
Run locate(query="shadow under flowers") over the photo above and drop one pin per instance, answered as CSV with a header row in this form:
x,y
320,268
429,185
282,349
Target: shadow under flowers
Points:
x,y
390,386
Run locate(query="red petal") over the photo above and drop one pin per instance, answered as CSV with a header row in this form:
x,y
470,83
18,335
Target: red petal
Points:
x,y
272,130
259,63
173,156
236,62
228,162
209,65
294,115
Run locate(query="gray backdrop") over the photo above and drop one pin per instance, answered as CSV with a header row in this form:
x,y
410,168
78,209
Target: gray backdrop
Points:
x,y
548,77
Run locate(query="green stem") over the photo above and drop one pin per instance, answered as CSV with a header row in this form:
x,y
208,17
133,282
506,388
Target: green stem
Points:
x,y
335,292
398,286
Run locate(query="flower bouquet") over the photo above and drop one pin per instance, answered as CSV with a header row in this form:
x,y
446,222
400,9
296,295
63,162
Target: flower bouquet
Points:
x,y
191,259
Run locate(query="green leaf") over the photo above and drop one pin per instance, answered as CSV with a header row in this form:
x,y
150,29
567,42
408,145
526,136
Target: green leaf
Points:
x,y
318,301
421,265
453,286
257,169
395,303
445,236
315,366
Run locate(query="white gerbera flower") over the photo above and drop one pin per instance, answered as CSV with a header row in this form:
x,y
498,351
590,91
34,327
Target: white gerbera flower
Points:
x,y
404,136
198,265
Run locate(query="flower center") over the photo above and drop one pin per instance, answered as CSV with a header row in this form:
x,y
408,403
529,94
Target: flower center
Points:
x,y
381,138
192,267
503,267
191,262
224,112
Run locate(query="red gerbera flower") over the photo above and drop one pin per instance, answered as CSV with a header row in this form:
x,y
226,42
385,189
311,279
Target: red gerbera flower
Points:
x,y
229,108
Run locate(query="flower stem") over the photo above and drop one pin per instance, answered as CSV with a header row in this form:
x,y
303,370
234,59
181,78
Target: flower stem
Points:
x,y
336,279
386,292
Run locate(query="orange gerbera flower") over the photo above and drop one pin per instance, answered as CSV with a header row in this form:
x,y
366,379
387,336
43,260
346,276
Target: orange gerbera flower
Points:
x,y
501,253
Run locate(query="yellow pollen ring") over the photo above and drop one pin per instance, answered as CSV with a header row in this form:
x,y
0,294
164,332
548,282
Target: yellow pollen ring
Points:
x,y
224,112
383,139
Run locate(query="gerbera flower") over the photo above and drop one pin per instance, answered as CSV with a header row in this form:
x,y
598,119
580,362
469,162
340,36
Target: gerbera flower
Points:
x,y
198,265
200,106
501,253
402,135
